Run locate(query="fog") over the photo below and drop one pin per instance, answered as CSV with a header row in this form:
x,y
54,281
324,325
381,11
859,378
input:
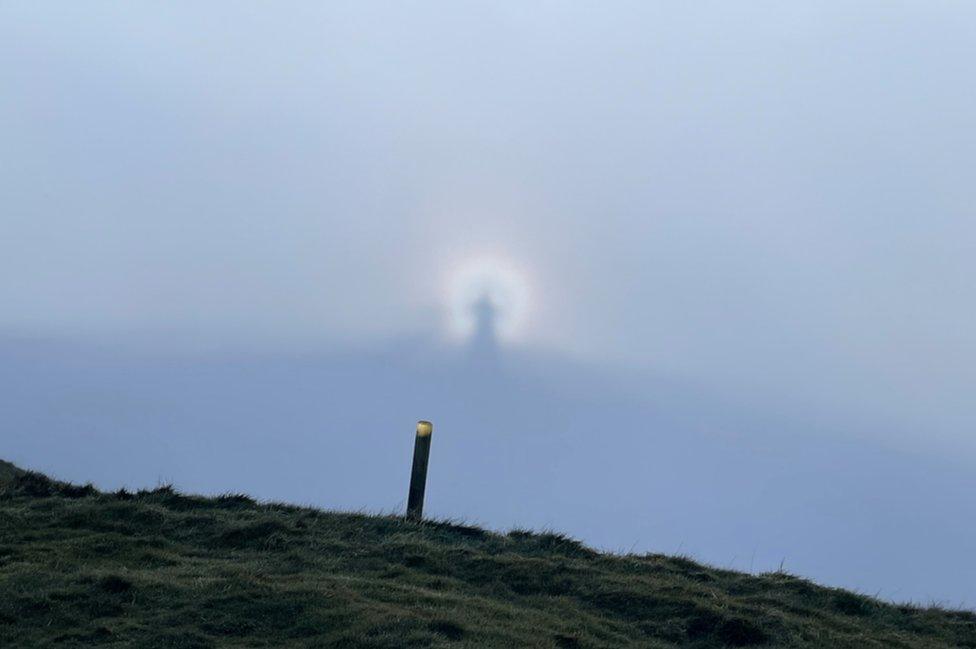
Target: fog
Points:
x,y
730,250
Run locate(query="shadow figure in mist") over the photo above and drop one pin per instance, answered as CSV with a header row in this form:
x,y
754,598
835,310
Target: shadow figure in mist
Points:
x,y
483,353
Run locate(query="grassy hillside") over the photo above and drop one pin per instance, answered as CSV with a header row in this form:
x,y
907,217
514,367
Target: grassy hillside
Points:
x,y
8,472
160,569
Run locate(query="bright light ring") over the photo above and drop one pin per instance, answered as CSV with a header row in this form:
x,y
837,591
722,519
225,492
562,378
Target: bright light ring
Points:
x,y
502,283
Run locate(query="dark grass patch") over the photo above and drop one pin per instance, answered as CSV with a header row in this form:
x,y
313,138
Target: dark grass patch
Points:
x,y
176,639
457,529
740,632
639,606
549,543
84,491
244,614
139,518
393,634
267,535
234,501
27,607
98,635
554,543
782,581
728,631
852,604
448,629
123,494
114,584
564,641
437,584
101,606
38,485
702,576
415,561
681,564
526,577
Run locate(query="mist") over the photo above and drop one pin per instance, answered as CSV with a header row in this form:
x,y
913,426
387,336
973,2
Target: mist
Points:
x,y
745,235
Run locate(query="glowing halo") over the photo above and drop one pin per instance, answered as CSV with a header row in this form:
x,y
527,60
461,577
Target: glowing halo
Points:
x,y
496,279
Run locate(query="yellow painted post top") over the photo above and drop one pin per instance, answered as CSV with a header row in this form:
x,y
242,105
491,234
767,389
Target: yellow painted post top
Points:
x,y
424,428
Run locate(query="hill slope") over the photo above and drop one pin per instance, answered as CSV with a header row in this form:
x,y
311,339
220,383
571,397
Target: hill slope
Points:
x,y
161,569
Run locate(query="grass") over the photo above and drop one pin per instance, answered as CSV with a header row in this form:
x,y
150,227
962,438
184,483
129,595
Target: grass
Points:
x,y
161,569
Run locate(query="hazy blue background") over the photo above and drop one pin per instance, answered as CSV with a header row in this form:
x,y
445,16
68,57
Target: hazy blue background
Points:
x,y
747,230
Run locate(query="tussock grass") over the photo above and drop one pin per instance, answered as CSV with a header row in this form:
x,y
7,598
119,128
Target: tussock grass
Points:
x,y
159,569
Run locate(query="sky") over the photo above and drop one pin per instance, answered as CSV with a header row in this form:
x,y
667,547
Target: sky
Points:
x,y
761,208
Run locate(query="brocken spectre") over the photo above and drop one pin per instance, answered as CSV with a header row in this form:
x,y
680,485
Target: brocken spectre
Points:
x,y
499,280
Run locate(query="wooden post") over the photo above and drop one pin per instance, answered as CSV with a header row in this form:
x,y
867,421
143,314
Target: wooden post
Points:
x,y
418,477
